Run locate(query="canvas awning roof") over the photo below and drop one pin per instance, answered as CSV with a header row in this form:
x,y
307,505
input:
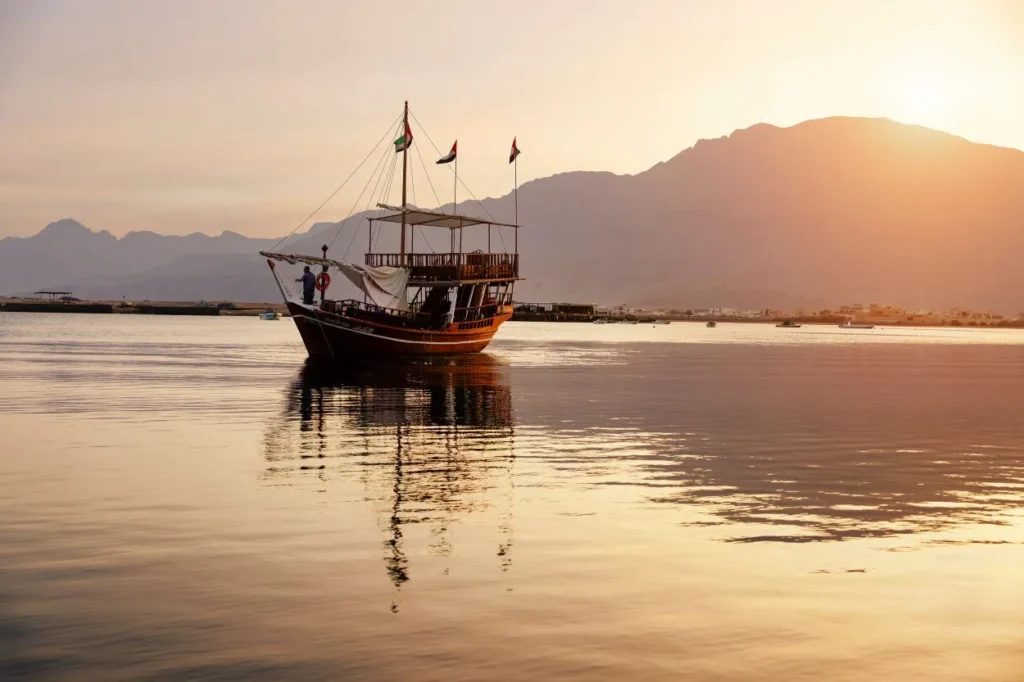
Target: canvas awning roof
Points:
x,y
416,216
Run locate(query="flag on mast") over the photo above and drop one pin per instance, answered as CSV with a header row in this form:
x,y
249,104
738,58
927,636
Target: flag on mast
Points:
x,y
515,151
451,155
405,141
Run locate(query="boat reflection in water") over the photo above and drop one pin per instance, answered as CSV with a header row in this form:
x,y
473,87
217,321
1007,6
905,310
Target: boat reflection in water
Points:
x,y
431,441
881,455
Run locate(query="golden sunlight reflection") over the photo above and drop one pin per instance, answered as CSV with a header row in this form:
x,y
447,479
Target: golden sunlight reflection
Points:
x,y
436,443
430,442
191,502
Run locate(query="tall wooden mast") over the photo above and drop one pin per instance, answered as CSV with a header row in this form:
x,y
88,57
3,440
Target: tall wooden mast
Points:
x,y
405,153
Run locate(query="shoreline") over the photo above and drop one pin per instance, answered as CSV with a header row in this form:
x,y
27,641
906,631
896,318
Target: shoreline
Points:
x,y
201,308
829,321
250,309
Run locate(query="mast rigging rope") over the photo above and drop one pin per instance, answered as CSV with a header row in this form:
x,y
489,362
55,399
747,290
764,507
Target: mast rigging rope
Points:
x,y
460,181
356,202
369,200
464,185
429,181
339,187
386,192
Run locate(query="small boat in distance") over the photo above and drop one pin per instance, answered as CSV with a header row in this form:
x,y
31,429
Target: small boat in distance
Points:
x,y
270,315
850,324
789,324
600,320
663,322
712,324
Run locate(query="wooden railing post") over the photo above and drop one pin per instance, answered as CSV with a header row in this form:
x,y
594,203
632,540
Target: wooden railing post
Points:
x,y
451,265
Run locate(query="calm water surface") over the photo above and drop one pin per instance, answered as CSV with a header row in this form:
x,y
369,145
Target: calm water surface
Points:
x,y
184,498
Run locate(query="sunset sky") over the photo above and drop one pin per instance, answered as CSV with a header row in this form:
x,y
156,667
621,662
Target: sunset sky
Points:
x,y
203,116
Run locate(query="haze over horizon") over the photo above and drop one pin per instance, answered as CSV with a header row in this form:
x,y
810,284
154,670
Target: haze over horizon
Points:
x,y
198,117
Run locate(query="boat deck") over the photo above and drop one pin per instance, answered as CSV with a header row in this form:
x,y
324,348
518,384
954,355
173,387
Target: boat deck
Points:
x,y
451,267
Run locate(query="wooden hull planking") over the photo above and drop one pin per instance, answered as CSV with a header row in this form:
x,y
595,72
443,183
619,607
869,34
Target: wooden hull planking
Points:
x,y
329,336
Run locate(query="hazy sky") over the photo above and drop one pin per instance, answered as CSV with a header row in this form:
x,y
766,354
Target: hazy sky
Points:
x,y
182,116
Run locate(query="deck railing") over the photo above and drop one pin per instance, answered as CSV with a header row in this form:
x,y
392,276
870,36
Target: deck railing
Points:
x,y
355,308
450,266
368,311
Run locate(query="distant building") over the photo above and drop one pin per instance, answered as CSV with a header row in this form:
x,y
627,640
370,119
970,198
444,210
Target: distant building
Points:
x,y
573,308
852,309
733,312
555,311
624,310
747,313
533,307
892,311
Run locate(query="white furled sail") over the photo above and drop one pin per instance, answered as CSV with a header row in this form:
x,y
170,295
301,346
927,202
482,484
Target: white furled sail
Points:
x,y
386,287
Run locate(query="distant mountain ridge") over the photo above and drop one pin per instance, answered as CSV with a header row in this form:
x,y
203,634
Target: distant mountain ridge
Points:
x,y
827,211
141,264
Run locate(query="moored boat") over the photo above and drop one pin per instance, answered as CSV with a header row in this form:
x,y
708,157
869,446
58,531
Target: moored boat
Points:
x,y
413,303
850,324
712,324
270,315
789,324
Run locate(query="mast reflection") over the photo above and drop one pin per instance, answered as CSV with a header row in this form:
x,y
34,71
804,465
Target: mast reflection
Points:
x,y
432,441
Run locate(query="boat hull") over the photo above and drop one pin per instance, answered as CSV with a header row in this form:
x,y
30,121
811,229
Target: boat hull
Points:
x,y
329,336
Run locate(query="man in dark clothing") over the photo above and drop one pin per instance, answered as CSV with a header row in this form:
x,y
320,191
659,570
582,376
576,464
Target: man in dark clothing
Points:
x,y
308,285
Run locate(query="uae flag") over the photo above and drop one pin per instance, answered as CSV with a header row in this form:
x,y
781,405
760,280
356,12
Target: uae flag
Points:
x,y
405,141
515,151
451,155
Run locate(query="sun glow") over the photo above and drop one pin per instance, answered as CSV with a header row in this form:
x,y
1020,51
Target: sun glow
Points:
x,y
927,84
922,96
925,97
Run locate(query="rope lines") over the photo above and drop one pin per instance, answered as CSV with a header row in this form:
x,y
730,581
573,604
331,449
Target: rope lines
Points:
x,y
339,187
429,181
369,200
464,185
384,196
458,179
382,178
351,212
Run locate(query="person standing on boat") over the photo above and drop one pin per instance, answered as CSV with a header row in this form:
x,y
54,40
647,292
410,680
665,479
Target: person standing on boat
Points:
x,y
308,285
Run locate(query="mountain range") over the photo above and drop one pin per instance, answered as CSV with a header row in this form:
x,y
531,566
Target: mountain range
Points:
x,y
824,212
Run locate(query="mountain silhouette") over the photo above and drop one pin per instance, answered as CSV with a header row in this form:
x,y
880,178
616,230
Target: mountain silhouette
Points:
x,y
824,212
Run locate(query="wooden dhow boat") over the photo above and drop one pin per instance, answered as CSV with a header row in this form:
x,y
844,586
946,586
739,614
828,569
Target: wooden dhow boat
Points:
x,y
413,303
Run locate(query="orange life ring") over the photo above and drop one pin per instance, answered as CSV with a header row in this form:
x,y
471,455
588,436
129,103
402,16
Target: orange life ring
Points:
x,y
323,280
